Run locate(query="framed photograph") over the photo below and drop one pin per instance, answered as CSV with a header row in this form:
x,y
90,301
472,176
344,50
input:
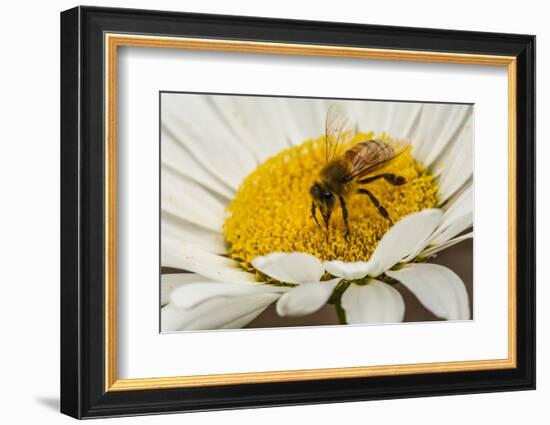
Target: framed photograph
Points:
x,y
261,212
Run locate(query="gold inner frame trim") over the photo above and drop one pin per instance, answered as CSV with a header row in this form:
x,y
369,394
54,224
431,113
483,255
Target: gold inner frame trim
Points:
x,y
113,41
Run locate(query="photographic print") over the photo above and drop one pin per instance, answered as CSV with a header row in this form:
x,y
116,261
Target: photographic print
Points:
x,y
286,211
326,206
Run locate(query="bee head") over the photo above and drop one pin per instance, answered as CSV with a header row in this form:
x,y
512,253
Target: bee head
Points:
x,y
322,196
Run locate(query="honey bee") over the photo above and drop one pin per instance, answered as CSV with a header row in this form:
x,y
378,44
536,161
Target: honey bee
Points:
x,y
344,173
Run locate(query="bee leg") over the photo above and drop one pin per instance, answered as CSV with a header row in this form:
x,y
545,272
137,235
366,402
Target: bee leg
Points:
x,y
390,178
313,214
344,215
383,212
326,217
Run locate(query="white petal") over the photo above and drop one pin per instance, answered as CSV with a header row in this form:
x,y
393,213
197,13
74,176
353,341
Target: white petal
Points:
x,y
171,281
455,167
306,298
171,318
405,238
457,218
438,288
229,313
185,231
205,210
244,319
304,118
216,313
437,248
256,121
348,271
194,122
295,267
177,156
437,128
394,118
193,294
186,256
376,302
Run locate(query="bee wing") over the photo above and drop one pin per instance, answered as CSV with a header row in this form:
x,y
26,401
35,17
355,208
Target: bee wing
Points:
x,y
339,130
366,157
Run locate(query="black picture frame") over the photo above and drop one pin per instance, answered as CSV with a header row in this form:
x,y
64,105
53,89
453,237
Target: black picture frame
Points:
x,y
83,392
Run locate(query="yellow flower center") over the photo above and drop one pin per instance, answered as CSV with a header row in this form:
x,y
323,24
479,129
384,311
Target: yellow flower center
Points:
x,y
271,211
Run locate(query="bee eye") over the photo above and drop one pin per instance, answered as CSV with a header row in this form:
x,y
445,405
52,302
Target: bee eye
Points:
x,y
320,193
327,195
314,190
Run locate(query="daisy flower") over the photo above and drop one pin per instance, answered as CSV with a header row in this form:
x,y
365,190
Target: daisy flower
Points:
x,y
236,219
